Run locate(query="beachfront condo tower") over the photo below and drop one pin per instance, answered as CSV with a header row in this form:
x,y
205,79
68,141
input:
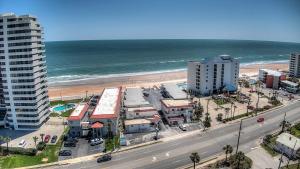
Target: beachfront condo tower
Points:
x,y
23,85
213,75
294,67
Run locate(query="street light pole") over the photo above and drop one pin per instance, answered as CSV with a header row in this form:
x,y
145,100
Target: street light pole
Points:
x,y
238,141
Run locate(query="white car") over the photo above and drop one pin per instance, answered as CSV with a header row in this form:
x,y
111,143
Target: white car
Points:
x,y
22,143
96,141
183,127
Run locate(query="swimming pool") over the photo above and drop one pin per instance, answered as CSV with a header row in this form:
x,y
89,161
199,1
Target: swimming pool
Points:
x,y
63,108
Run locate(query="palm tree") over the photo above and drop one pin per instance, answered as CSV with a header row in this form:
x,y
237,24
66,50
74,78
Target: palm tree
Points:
x,y
1,139
231,105
198,111
227,109
228,150
234,107
208,100
42,136
7,140
195,158
35,139
258,85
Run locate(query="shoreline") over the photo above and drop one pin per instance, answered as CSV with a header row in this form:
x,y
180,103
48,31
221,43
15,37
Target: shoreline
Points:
x,y
78,88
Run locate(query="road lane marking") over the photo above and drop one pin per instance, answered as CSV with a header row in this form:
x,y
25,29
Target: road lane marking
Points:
x,y
154,159
167,154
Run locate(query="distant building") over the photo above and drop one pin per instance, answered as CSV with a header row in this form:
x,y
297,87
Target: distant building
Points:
x,y
173,91
77,119
271,78
24,102
177,111
105,117
294,66
287,144
212,75
290,86
140,112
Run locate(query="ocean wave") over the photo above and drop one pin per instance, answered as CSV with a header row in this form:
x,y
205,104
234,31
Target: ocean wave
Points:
x,y
263,62
82,77
74,78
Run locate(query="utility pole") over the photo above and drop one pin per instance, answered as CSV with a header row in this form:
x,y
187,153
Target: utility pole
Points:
x,y
238,141
283,123
280,161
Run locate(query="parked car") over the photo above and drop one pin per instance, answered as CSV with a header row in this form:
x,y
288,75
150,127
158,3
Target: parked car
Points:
x,y
69,144
22,143
260,119
182,127
106,157
65,153
96,141
47,138
53,139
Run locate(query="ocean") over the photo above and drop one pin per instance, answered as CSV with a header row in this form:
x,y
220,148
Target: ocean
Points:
x,y
77,60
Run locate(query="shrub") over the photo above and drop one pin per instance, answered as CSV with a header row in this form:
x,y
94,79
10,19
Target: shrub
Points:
x,y
267,107
219,117
41,145
20,150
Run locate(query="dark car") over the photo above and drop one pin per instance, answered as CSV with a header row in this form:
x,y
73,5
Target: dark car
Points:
x,y
69,144
65,153
260,119
53,139
106,157
47,138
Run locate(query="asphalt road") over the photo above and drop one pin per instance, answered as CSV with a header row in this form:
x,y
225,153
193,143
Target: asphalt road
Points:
x,y
173,154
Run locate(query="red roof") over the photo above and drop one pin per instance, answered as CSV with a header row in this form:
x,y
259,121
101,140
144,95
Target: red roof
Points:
x,y
80,115
116,109
97,125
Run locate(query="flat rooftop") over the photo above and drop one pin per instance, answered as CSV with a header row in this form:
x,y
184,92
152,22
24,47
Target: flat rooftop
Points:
x,y
290,83
174,91
289,140
141,109
108,105
133,97
137,121
79,112
170,103
272,72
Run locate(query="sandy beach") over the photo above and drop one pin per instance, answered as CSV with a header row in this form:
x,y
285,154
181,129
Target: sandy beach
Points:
x,y
75,89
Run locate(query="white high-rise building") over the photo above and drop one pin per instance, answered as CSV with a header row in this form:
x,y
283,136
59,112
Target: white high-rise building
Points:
x,y
294,67
212,75
24,102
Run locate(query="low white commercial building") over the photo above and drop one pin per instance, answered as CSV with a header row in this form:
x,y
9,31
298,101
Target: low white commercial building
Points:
x,y
138,125
177,111
77,118
212,75
173,91
105,117
133,97
287,144
290,86
140,112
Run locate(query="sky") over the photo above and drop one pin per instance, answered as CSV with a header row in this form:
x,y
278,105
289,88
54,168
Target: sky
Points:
x,y
271,20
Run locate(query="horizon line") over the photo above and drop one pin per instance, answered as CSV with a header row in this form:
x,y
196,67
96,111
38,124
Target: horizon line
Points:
x,y
172,39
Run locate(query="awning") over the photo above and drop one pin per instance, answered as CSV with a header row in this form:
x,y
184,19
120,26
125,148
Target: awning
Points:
x,y
97,125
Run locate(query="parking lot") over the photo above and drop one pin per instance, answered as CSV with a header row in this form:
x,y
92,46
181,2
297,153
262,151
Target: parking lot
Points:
x,y
82,148
54,126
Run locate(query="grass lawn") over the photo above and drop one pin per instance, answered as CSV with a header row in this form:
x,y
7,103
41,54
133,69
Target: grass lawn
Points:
x,y
67,113
293,166
221,101
57,102
16,160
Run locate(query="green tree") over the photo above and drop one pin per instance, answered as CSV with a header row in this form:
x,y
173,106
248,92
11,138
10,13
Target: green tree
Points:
x,y
234,107
258,86
195,158
228,150
207,121
198,111
42,136
239,161
35,139
227,109
267,139
1,139
219,117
